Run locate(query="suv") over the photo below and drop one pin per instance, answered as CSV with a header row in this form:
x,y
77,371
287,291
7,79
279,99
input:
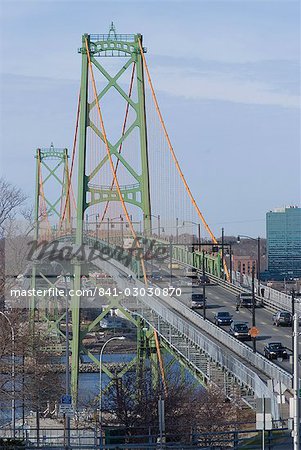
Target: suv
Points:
x,y
197,300
282,318
222,318
240,330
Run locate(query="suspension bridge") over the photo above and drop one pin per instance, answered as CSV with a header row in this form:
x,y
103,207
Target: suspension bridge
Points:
x,y
120,196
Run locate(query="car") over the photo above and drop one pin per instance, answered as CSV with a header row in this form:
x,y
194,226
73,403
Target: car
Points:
x,y
240,330
204,279
157,276
282,318
197,300
222,318
174,266
274,350
190,272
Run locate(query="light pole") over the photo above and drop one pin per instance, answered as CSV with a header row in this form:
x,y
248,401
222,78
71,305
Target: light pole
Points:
x,y
87,223
108,229
258,256
96,224
13,402
204,289
119,338
199,231
170,258
177,230
253,308
296,387
223,253
229,253
67,374
158,218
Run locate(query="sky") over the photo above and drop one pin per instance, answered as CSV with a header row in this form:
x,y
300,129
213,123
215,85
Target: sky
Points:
x,y
227,78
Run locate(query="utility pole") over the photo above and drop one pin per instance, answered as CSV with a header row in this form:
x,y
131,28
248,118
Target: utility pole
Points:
x,y
258,265
170,258
253,307
204,289
296,387
67,418
223,253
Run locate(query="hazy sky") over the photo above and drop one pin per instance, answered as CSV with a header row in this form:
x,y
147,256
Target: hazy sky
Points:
x,y
226,75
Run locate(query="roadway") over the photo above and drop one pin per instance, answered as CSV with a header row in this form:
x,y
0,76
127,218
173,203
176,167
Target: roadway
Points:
x,y
219,299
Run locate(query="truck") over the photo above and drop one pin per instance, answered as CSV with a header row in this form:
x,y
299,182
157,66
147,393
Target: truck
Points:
x,y
245,299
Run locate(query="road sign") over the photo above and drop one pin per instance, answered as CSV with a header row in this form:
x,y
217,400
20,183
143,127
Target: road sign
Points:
x,y
66,405
253,332
264,421
66,399
68,410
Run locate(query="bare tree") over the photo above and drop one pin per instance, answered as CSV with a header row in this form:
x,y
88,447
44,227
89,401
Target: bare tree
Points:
x,y
36,383
11,198
189,409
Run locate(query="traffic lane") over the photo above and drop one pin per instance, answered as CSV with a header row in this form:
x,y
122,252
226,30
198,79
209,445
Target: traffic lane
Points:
x,y
217,298
220,301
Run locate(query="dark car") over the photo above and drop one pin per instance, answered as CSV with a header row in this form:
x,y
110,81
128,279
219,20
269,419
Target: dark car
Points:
x,y
275,350
204,279
240,330
222,318
282,318
157,276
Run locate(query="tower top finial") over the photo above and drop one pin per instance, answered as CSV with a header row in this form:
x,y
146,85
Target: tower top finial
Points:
x,y
112,31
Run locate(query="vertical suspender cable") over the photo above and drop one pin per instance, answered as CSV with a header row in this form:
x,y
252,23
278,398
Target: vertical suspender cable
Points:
x,y
174,156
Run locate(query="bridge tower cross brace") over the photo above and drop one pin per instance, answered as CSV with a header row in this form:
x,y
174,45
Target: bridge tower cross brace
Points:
x,y
110,45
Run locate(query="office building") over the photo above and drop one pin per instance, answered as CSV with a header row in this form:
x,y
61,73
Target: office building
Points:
x,y
283,228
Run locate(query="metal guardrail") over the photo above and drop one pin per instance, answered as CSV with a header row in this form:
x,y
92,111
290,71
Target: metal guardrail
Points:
x,y
272,300
186,327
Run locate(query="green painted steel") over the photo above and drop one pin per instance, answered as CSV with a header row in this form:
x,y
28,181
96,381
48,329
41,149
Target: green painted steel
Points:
x,y
52,164
138,194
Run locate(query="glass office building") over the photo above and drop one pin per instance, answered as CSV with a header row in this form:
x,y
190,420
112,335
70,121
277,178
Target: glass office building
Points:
x,y
283,228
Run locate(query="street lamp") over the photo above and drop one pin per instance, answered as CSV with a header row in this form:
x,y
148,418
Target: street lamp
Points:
x,y
67,375
253,308
170,258
96,224
296,387
199,230
158,218
204,289
13,405
258,256
117,338
229,253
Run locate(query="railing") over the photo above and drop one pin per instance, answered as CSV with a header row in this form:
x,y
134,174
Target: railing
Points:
x,y
184,325
112,37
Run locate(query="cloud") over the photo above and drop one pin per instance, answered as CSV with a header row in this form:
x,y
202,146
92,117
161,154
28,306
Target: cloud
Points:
x,y
194,85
